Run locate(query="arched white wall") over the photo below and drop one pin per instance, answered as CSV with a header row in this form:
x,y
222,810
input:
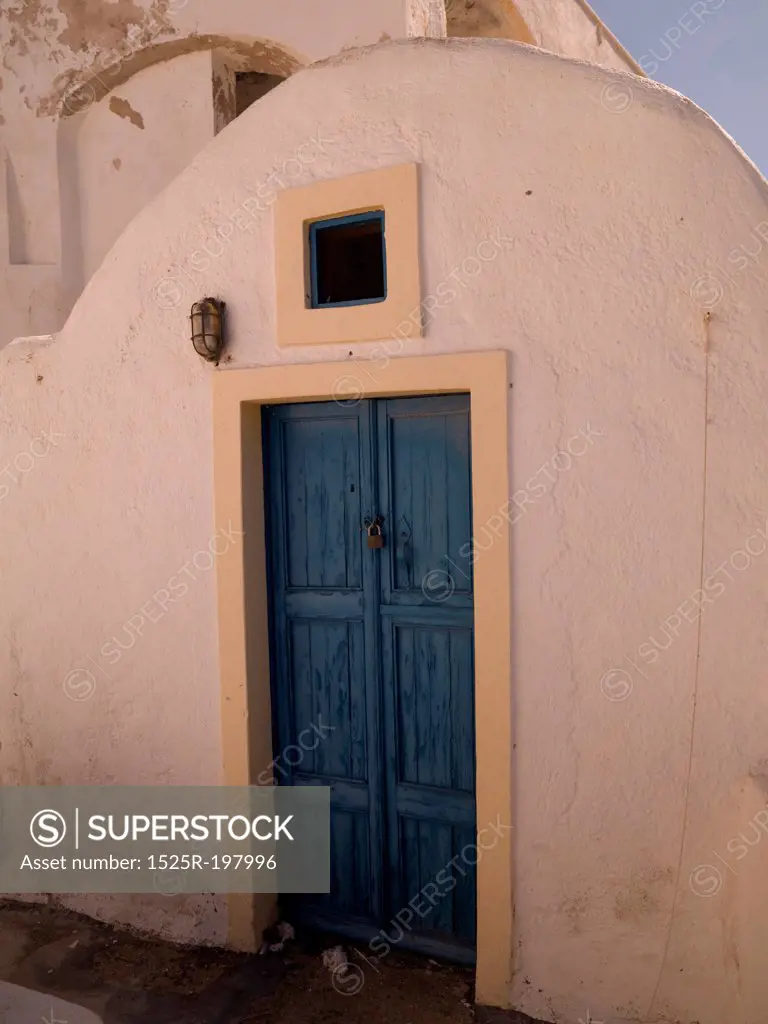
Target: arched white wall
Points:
x,y
608,234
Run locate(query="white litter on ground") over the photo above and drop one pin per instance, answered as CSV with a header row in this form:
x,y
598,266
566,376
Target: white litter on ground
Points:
x,y
275,938
335,959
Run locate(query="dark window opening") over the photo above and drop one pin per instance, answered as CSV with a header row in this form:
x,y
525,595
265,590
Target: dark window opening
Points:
x,y
348,260
251,86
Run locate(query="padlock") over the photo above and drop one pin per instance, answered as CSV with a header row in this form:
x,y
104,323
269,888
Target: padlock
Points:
x,y
375,536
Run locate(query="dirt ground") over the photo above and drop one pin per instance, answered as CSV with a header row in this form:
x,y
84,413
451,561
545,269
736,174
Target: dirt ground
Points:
x,y
126,979
395,989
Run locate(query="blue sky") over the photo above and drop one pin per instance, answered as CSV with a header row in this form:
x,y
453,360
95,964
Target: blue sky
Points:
x,y
715,51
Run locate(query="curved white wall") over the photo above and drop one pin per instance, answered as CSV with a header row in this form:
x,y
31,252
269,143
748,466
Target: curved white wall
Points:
x,y
620,283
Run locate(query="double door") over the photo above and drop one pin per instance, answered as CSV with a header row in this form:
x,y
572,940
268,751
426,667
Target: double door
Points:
x,y
372,657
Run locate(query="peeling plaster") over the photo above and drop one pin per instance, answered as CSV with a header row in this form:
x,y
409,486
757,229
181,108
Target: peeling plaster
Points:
x,y
30,21
89,37
123,108
78,88
106,26
224,92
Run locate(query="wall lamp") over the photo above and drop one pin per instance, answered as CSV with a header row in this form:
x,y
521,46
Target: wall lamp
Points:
x,y
207,319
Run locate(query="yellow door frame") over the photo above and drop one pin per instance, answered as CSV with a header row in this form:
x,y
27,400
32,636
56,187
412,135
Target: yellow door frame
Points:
x,y
238,395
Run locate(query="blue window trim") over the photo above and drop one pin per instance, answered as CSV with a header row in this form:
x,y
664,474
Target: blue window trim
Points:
x,y
333,222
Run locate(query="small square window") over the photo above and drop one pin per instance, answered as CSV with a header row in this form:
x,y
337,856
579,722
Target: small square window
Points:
x,y
348,246
348,260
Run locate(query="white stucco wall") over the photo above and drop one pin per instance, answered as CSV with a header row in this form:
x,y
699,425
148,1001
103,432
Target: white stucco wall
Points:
x,y
622,286
127,154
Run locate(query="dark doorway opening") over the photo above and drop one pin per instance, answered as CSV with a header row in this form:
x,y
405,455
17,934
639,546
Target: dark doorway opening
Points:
x,y
251,86
348,260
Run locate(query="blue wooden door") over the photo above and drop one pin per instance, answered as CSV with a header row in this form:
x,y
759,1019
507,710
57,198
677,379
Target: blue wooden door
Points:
x,y
372,657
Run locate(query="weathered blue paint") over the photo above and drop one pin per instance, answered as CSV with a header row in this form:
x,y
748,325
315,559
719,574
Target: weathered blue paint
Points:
x,y
378,645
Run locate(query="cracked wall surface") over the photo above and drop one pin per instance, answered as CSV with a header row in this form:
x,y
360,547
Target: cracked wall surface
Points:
x,y
591,252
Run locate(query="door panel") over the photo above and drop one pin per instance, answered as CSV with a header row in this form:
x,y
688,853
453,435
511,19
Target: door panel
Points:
x,y
377,645
427,847
325,700
351,888
433,679
322,465
427,662
327,657
424,470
